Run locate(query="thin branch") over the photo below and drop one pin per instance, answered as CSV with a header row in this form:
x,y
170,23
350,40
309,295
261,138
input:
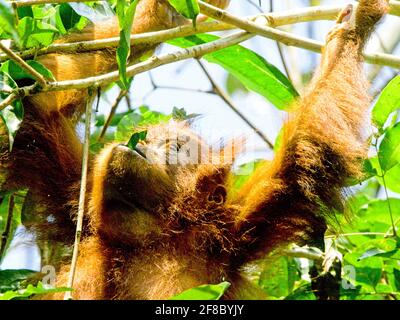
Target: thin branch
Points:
x,y
304,253
355,234
36,75
82,197
9,100
224,96
279,46
114,108
156,87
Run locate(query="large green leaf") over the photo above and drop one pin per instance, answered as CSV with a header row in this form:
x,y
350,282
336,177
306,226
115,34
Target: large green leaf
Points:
x,y
12,115
389,149
125,18
388,102
392,178
16,214
7,20
368,272
17,73
204,292
250,68
35,33
66,18
375,217
188,8
11,279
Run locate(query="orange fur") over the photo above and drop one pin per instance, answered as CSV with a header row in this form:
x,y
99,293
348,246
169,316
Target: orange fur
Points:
x,y
156,228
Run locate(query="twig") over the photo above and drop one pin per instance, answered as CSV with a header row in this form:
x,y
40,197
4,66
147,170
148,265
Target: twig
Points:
x,y
36,75
114,108
304,253
82,197
224,96
279,47
9,100
7,229
355,234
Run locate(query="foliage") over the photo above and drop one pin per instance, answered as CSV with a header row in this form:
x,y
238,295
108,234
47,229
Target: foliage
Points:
x,y
204,292
369,245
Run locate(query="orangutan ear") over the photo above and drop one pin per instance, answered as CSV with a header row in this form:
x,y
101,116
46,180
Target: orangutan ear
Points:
x,y
218,195
211,182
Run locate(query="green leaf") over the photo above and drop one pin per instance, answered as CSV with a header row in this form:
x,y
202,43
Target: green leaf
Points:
x,y
389,149
17,73
11,279
376,252
251,69
41,12
377,213
136,138
188,8
388,102
31,290
368,271
66,18
25,12
125,18
204,292
35,33
101,120
141,118
7,20
304,292
392,178
233,85
278,277
12,117
180,114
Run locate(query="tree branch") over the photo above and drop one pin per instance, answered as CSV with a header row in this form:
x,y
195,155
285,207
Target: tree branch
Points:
x,y
200,50
285,37
270,19
36,75
82,198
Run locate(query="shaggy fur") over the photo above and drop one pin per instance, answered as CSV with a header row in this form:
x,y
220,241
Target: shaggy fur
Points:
x,y
154,229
